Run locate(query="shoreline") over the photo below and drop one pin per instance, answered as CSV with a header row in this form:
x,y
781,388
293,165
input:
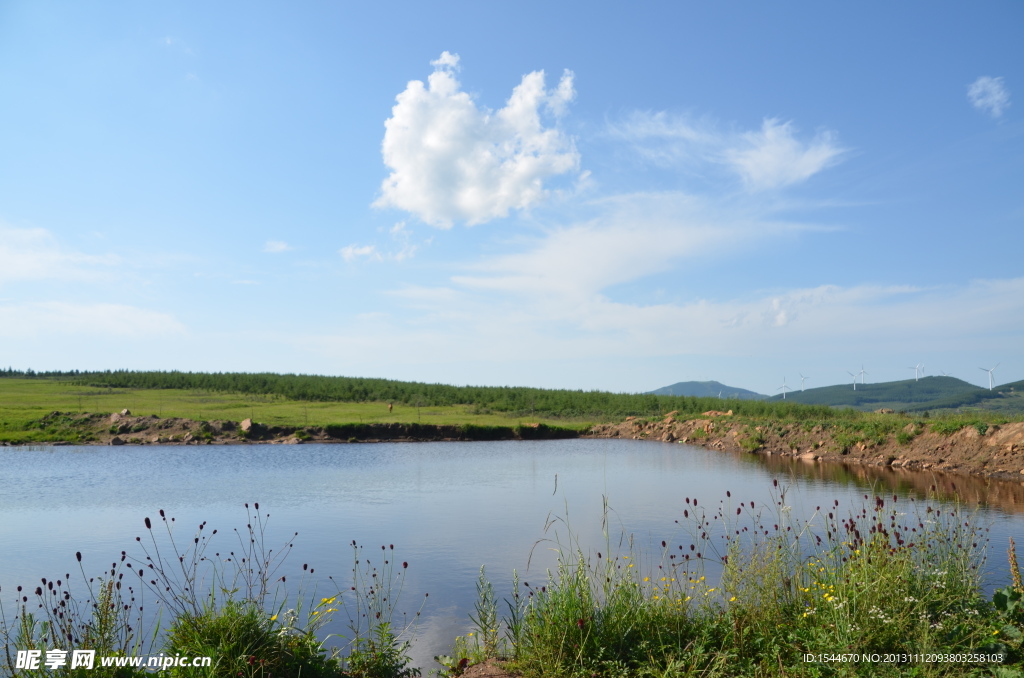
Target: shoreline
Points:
x,y
997,452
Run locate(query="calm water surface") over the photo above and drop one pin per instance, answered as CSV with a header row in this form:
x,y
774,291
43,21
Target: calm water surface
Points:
x,y
448,508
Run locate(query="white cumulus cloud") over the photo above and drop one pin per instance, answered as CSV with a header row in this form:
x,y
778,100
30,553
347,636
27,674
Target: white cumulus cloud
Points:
x,y
990,95
773,157
451,160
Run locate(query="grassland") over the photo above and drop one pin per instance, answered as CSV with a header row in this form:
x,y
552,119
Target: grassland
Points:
x,y
309,401
25,402
509,401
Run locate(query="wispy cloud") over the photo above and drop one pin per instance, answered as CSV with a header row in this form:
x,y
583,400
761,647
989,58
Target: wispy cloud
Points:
x,y
772,157
351,253
276,247
989,95
400,235
667,140
116,320
634,236
460,324
170,41
35,254
451,160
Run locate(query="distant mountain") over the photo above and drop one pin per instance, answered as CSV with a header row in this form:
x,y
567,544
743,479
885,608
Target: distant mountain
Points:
x,y
708,389
910,395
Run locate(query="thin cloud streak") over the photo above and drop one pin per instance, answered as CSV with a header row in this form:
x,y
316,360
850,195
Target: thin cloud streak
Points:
x,y
636,236
276,247
452,324
69,319
35,254
772,157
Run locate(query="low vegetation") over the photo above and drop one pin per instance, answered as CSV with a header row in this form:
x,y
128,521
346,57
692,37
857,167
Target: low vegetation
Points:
x,y
45,408
232,608
751,592
249,390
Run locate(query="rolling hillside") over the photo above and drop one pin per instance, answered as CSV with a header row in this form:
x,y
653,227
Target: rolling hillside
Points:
x,y
708,389
928,393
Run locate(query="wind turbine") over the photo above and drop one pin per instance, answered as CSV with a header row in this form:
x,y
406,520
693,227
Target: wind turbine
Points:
x,y
989,375
854,379
861,374
802,380
783,388
918,370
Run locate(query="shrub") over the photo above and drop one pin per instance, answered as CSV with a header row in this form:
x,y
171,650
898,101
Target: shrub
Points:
x,y
753,441
947,427
247,641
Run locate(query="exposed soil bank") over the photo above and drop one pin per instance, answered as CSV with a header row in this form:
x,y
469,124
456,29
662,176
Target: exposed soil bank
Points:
x,y
997,452
122,428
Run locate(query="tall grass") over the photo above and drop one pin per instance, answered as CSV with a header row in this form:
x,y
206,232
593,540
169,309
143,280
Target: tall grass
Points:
x,y
235,606
748,590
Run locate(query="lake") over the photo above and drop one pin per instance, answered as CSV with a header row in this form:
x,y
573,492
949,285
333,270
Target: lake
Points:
x,y
447,508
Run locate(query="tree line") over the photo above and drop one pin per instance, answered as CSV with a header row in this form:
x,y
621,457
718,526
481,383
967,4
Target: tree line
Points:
x,y
517,401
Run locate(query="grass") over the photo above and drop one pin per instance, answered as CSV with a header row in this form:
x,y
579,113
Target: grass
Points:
x,y
518,402
24,403
233,609
750,592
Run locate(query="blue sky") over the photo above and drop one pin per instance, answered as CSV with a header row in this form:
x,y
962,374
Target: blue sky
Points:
x,y
578,196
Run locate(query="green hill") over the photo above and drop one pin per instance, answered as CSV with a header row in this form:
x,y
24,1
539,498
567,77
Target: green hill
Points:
x,y
708,389
928,393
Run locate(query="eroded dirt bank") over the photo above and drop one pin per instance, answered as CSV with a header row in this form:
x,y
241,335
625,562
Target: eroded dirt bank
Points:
x,y
123,428
993,451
